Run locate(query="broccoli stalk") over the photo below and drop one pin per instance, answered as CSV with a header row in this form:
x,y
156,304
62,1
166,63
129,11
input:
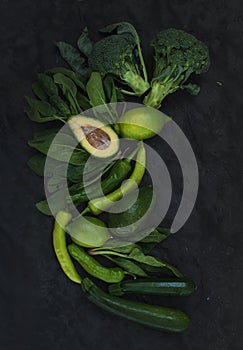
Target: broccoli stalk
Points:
x,y
117,55
177,55
135,82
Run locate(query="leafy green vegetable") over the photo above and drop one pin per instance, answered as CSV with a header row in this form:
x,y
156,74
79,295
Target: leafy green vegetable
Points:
x,y
57,176
60,148
83,101
95,90
84,43
43,207
40,135
97,97
51,105
128,266
72,56
123,249
156,236
116,54
69,90
35,116
139,256
43,107
37,164
75,173
39,91
60,105
110,89
177,55
57,203
76,78
149,262
48,84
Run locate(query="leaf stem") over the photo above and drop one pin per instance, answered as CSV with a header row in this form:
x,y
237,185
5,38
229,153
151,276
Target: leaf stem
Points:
x,y
130,93
106,252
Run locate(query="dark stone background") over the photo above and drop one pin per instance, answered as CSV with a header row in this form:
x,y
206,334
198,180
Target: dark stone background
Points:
x,y
40,308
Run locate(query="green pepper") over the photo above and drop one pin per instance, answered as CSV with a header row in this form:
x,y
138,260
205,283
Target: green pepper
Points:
x,y
59,243
117,174
97,205
93,267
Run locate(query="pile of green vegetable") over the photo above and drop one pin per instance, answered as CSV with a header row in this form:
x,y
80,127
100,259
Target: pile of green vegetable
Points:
x,y
99,74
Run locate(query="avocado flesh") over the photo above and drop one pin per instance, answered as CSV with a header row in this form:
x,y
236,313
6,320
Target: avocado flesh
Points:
x,y
95,137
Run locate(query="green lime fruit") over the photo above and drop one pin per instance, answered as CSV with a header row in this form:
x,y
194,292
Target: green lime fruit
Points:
x,y
88,232
142,123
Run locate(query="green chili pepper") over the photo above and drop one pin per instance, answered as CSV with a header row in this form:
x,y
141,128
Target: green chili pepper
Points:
x,y
93,267
97,205
59,242
117,174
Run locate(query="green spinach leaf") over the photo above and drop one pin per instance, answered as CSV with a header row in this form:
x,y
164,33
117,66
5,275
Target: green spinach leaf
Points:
x,y
151,261
35,116
37,164
72,56
128,266
48,84
95,90
156,236
76,78
110,89
58,202
39,91
84,43
43,107
60,147
58,103
69,90
83,101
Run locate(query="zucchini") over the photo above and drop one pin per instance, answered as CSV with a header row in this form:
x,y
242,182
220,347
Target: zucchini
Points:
x,y
162,318
165,287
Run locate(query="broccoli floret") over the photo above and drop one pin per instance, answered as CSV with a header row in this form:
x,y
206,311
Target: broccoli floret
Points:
x,y
177,55
116,54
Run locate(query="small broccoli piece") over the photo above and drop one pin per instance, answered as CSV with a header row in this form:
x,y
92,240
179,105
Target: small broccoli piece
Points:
x,y
177,55
116,54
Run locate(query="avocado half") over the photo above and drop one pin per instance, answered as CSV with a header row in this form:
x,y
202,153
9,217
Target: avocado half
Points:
x,y
95,137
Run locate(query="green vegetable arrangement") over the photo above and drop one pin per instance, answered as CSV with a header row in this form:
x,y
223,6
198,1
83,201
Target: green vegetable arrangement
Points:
x,y
100,74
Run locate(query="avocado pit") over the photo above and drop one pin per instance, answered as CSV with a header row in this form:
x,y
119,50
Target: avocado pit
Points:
x,y
96,137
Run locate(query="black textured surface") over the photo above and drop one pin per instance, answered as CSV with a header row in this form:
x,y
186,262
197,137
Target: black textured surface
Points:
x,y
40,308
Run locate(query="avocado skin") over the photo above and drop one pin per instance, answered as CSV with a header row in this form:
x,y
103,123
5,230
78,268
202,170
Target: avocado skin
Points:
x,y
117,222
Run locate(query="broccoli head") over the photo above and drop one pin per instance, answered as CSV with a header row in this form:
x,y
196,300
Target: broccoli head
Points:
x,y
116,54
177,55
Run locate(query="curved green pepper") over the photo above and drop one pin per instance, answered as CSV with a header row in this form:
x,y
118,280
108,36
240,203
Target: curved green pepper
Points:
x,y
59,243
93,267
97,205
118,173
